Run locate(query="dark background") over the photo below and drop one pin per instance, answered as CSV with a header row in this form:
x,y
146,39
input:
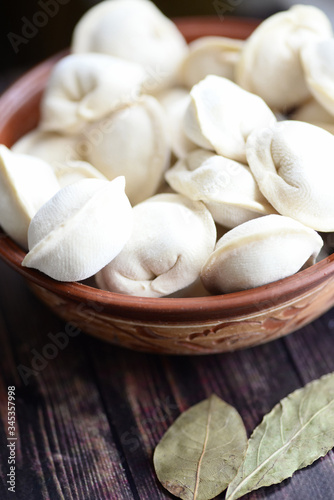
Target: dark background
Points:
x,y
56,33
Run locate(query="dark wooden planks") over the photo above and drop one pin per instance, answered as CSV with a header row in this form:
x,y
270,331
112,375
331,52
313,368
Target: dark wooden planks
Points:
x,y
139,406
253,381
311,349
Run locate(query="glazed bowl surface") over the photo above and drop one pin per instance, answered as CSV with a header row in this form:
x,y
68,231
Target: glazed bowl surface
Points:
x,y
195,325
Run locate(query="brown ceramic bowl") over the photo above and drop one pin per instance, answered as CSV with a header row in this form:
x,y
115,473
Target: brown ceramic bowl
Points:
x,y
167,325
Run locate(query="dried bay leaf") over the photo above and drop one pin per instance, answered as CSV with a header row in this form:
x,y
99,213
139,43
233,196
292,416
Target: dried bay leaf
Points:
x,y
201,452
298,430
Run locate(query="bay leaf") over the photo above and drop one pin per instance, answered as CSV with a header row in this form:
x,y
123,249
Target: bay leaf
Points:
x,y
201,452
298,430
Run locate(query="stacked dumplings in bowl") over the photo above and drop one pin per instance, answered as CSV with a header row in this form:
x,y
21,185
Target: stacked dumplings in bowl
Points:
x,y
161,168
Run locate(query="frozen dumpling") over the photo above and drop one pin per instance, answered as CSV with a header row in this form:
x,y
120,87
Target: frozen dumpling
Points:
x,y
318,65
270,64
293,165
227,187
210,55
84,88
73,171
221,116
26,183
172,238
133,30
312,112
175,102
62,154
82,228
51,147
132,141
259,252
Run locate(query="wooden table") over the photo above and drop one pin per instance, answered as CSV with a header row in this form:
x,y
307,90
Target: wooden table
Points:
x,y
87,420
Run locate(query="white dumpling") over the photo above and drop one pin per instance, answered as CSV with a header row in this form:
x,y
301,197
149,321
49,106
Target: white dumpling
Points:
x,y
270,63
259,252
227,187
26,183
62,154
134,30
196,289
312,112
293,165
82,228
326,126
172,238
175,102
221,116
210,55
133,142
84,88
49,146
73,171
318,65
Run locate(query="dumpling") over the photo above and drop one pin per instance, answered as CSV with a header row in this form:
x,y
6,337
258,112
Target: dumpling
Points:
x,y
73,171
312,112
172,238
133,142
270,64
62,154
134,30
210,55
318,65
51,147
221,116
259,252
84,88
293,165
175,103
82,228
227,187
26,183
327,126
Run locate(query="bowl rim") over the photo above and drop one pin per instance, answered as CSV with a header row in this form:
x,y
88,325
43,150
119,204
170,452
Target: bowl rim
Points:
x,y
160,309
201,308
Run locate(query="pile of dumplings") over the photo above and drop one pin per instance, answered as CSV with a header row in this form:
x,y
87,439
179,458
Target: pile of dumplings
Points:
x,y
162,168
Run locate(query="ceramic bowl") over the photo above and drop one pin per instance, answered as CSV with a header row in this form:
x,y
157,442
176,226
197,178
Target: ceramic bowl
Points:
x,y
167,325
